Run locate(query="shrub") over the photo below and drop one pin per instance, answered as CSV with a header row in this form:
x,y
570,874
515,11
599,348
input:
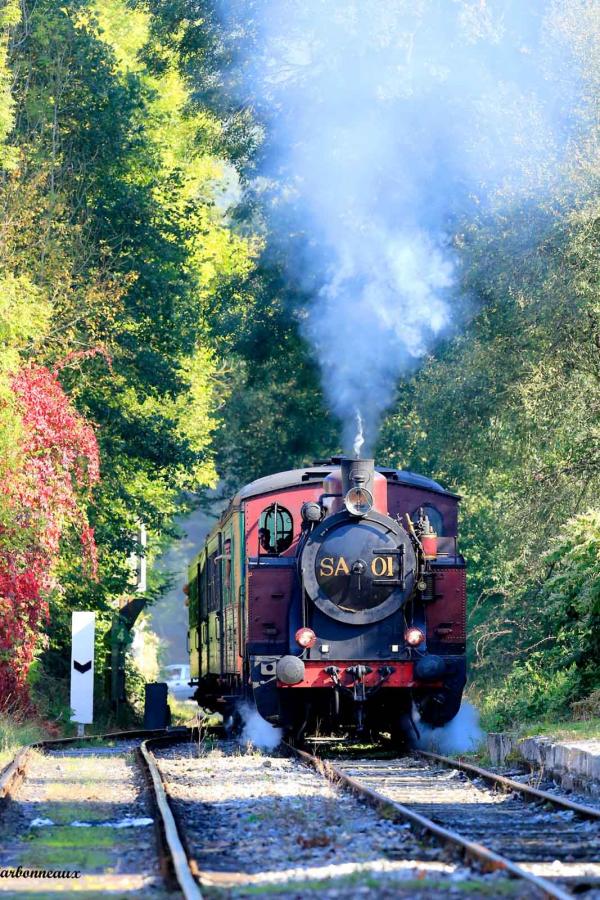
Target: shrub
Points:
x,y
43,497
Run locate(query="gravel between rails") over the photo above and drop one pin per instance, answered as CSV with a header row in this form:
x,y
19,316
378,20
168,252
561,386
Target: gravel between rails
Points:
x,y
556,845
265,825
82,809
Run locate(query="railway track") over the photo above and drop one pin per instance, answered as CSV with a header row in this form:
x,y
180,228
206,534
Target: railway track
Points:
x,y
112,783
235,821
13,772
253,822
546,840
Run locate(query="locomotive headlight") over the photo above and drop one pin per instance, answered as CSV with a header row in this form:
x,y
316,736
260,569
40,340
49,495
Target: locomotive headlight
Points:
x,y
311,512
414,637
358,501
306,637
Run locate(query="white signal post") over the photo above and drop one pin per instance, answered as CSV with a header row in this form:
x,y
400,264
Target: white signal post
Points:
x,y
82,669
137,561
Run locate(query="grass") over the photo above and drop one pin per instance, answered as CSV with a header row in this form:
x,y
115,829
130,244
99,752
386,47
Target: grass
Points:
x,y
186,712
65,813
182,711
404,887
99,836
15,734
68,847
572,731
560,730
69,857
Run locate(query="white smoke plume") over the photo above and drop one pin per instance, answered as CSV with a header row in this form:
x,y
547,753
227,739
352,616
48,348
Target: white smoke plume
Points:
x,y
360,435
461,735
388,124
257,730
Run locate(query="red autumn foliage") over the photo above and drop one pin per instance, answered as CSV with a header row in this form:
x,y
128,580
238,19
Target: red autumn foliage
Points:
x,y
78,355
44,496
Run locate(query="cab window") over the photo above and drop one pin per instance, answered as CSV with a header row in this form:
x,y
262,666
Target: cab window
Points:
x,y
433,514
275,530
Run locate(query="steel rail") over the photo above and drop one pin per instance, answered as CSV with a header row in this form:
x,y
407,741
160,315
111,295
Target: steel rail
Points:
x,y
132,734
181,863
531,793
478,852
13,773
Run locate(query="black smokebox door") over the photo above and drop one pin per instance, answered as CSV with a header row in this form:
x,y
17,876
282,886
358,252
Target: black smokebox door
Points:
x,y
352,563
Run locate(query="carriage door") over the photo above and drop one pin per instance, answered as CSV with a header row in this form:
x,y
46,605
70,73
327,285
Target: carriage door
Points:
x,y
193,602
229,607
215,612
203,616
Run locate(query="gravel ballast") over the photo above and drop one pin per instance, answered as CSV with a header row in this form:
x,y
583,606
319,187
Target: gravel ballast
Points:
x,y
547,843
264,824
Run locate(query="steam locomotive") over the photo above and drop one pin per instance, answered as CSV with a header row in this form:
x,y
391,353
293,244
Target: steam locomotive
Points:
x,y
334,598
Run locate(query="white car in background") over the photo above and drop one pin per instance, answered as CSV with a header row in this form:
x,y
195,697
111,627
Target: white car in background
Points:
x,y
177,679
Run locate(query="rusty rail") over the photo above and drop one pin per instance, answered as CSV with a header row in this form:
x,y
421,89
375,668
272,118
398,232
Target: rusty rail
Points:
x,y
530,793
172,841
487,858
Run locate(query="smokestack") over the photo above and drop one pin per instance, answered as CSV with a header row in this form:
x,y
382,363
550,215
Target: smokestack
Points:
x,y
358,473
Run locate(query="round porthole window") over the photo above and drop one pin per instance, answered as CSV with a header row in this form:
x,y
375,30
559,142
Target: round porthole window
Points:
x,y
275,530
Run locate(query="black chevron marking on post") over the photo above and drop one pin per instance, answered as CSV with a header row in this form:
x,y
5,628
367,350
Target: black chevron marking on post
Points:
x,y
82,667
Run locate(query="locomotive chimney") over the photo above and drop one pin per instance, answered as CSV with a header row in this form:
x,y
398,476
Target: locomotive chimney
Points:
x,y
357,473
362,487
355,486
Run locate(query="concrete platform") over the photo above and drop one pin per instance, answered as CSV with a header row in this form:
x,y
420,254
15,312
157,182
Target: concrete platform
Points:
x,y
572,764
575,765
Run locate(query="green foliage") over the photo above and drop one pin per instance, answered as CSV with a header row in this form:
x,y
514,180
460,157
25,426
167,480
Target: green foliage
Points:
x,y
106,149
24,315
10,16
274,416
532,691
272,413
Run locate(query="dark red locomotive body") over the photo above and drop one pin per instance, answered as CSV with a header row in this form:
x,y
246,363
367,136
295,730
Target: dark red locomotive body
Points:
x,y
334,597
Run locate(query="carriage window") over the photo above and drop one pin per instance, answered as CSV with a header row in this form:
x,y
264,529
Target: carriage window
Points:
x,y
434,515
202,594
275,530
